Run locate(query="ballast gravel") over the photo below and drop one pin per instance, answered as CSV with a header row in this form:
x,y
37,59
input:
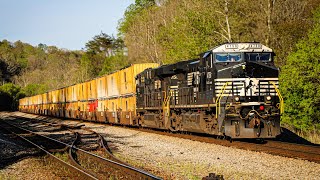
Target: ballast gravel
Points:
x,y
175,158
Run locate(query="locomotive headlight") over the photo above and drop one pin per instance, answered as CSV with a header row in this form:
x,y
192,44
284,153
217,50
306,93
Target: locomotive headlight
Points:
x,y
237,99
268,98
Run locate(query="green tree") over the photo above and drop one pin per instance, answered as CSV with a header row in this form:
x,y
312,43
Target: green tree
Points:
x,y
102,43
104,54
85,68
133,11
9,96
34,89
112,63
300,82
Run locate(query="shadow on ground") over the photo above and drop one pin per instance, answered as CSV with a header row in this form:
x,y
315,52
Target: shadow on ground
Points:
x,y
291,137
14,149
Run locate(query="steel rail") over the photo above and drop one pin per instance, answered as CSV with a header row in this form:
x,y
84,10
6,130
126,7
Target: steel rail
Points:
x,y
310,153
72,154
105,147
296,151
77,173
120,168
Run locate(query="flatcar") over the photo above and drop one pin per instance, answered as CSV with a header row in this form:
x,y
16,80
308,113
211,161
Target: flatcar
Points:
x,y
231,90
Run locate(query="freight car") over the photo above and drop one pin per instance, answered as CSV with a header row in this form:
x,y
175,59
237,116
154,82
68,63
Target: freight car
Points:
x,y
109,98
230,90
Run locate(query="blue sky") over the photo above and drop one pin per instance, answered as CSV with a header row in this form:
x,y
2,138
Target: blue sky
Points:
x,y
63,23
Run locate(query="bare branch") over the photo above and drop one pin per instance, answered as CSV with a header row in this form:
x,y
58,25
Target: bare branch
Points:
x,y
225,37
220,12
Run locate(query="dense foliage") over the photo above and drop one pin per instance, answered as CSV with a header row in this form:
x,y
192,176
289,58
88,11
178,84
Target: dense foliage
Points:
x,y
9,96
301,82
171,30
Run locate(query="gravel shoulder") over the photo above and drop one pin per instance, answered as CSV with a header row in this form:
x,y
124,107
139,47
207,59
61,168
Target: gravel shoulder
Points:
x,y
175,158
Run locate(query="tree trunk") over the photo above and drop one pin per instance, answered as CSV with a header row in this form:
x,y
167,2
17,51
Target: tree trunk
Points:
x,y
269,20
226,9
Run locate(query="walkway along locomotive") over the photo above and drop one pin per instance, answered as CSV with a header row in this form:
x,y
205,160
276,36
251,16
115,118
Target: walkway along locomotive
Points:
x,y
230,90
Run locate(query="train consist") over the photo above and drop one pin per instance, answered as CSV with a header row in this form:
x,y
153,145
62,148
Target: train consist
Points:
x,y
230,90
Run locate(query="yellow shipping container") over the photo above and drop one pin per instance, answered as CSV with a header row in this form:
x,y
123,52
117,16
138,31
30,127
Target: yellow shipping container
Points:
x,y
113,86
32,100
55,96
92,90
74,94
126,80
38,99
111,95
44,98
49,97
101,105
128,103
101,87
127,77
61,95
69,94
22,102
82,91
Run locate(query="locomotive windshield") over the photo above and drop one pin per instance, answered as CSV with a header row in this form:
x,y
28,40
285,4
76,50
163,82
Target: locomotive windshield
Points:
x,y
228,57
258,56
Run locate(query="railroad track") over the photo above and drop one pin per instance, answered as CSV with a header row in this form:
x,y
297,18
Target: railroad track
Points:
x,y
292,150
301,151
80,164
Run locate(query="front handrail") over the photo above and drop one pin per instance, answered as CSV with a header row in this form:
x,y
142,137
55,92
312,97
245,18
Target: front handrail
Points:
x,y
280,97
219,99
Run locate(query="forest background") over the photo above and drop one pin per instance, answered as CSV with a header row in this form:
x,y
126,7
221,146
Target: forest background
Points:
x,y
167,31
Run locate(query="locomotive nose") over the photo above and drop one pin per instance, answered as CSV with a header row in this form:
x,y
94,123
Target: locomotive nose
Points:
x,y
239,71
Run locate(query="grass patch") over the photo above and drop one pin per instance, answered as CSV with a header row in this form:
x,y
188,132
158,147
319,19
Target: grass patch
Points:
x,y
63,156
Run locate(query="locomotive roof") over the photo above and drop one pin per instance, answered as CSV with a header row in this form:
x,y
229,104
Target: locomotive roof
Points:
x,y
241,47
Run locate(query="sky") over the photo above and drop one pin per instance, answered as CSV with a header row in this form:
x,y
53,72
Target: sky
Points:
x,y
66,24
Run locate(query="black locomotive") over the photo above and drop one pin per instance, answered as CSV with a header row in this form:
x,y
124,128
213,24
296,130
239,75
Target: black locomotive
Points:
x,y
231,90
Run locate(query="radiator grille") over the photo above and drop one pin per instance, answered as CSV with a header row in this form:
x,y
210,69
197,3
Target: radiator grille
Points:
x,y
246,87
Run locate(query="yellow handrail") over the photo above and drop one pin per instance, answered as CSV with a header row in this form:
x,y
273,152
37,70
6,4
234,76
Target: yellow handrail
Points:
x,y
219,99
166,103
280,97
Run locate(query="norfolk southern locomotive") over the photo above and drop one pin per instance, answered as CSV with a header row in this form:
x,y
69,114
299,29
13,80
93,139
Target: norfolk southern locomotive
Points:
x,y
231,90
